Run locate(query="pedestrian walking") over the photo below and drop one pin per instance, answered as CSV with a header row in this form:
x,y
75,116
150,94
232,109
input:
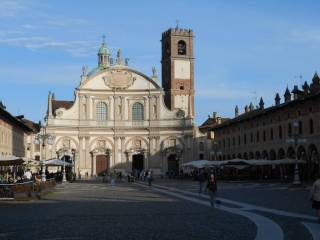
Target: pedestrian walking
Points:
x,y
315,196
212,188
201,179
149,178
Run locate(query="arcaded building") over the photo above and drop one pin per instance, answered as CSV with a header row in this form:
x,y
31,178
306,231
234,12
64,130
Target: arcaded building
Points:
x,y
269,133
122,119
16,135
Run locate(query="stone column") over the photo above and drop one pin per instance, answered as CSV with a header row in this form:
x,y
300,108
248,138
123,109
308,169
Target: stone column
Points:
x,y
94,163
146,159
146,108
129,161
116,151
122,103
88,163
88,106
82,154
112,106
76,159
123,157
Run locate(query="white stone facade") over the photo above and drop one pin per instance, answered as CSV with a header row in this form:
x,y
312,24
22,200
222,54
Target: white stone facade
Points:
x,y
102,121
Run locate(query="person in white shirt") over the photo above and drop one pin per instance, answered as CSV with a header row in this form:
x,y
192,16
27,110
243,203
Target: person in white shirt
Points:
x,y
28,174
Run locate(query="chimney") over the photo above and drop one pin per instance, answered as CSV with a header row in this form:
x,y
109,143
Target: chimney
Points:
x,y
50,97
251,107
261,103
214,115
277,99
246,109
236,111
287,96
305,88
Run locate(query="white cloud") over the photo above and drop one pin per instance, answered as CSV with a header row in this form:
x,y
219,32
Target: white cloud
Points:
x,y
75,48
60,21
58,74
310,35
11,8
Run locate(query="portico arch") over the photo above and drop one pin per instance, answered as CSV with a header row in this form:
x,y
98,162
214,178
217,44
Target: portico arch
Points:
x,y
73,143
272,155
281,153
264,154
313,161
291,153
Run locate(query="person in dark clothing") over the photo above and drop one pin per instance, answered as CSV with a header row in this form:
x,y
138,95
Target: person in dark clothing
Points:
x,y
212,188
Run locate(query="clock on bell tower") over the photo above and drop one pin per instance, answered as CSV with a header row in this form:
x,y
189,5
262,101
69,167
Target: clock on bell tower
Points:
x,y
178,69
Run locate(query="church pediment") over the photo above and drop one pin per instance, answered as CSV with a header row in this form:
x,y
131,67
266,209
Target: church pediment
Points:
x,y
118,79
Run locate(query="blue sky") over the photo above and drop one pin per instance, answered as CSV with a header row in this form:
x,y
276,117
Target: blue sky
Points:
x,y
243,49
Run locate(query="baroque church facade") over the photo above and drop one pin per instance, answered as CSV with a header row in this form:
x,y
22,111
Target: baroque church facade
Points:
x,y
123,120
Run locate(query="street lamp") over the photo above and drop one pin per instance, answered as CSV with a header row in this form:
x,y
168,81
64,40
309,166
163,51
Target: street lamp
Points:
x,y
64,179
296,140
73,151
296,179
42,139
215,144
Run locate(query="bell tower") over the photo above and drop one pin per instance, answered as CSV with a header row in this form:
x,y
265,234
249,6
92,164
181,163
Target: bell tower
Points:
x,y
178,69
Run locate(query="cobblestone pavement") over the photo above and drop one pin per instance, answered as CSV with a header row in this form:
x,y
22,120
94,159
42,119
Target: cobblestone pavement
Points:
x,y
90,210
289,209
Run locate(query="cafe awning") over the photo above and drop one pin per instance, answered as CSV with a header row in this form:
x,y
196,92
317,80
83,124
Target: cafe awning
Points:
x,y
57,162
10,160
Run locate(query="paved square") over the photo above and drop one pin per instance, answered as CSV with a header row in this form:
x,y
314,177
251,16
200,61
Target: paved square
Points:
x,y
99,211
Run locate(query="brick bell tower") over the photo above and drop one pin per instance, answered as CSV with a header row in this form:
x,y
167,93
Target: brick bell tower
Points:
x,y
178,69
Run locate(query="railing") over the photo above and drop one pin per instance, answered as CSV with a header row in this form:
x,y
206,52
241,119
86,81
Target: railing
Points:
x,y
9,190
44,186
26,189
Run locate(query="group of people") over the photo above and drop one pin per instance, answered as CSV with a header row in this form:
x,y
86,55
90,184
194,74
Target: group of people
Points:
x,y
19,177
211,184
143,175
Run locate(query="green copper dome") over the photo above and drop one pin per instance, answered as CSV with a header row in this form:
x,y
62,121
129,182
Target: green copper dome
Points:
x,y
103,50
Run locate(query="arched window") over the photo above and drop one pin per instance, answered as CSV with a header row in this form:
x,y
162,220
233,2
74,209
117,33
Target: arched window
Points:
x,y
311,130
101,111
289,130
201,146
182,48
280,132
137,112
300,127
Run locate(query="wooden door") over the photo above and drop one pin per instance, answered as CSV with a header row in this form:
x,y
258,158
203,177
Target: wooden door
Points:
x,y
102,164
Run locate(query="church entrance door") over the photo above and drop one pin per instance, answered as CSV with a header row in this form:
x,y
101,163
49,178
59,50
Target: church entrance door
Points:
x,y
102,164
173,165
137,162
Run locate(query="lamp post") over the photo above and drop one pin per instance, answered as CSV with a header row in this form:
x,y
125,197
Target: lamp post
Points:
x,y
64,179
42,139
296,178
73,151
215,144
